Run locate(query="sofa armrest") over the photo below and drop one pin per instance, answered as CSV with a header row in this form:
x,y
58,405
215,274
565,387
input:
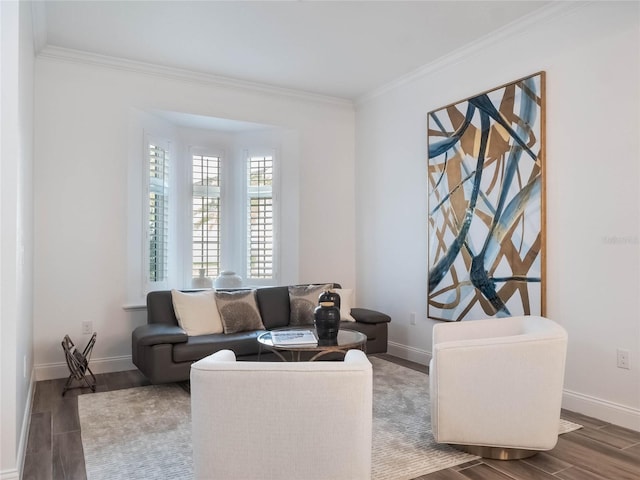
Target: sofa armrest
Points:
x,y
365,315
156,333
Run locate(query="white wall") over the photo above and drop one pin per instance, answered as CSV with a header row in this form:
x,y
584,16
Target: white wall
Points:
x,y
82,152
16,229
591,54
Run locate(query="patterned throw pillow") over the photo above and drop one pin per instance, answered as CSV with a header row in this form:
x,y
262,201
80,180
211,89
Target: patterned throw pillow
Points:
x,y
239,311
303,300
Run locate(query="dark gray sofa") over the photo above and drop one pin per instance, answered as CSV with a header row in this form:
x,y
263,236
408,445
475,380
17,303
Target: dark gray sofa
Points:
x,y
164,352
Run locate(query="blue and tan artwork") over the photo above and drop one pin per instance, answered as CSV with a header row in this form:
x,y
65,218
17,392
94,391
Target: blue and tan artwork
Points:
x,y
486,204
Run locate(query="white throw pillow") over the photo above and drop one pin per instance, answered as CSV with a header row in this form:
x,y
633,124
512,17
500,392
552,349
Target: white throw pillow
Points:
x,y
197,312
346,300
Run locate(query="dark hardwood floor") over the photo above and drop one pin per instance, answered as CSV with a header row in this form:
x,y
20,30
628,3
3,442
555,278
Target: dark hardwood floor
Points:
x,y
599,451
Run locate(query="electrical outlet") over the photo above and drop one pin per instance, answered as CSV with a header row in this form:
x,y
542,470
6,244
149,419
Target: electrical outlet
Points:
x,y
623,359
412,318
87,328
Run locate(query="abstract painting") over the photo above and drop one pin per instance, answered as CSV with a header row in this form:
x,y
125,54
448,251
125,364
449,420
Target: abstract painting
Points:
x,y
486,204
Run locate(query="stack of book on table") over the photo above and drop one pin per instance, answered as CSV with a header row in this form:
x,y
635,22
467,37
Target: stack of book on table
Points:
x,y
293,337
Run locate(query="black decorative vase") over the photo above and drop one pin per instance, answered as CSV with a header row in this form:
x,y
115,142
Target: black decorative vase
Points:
x,y
327,321
330,296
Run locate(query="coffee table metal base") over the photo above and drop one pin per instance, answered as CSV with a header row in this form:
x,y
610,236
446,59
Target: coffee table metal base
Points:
x,y
347,340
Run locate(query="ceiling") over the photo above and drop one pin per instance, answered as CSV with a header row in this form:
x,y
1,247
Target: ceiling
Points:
x,y
333,48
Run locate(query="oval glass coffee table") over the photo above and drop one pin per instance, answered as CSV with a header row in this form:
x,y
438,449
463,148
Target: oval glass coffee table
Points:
x,y
347,339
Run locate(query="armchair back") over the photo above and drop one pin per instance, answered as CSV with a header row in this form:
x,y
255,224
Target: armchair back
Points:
x,y
290,420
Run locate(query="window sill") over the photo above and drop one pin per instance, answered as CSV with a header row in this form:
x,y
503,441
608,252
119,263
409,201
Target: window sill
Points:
x,y
140,305
134,307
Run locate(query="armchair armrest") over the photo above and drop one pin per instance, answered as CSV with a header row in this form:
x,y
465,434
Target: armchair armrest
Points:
x,y
365,315
356,357
157,333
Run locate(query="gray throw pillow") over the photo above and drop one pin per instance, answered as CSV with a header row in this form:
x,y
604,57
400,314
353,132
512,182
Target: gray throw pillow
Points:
x,y
303,300
239,311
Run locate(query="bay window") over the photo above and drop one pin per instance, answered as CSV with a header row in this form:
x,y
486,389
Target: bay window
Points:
x,y
209,210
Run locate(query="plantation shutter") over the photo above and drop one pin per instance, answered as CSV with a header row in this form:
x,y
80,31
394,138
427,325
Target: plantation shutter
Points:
x,y
158,213
260,217
206,215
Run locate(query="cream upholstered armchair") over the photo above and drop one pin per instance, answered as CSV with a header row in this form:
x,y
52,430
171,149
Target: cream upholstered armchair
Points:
x,y
281,420
496,385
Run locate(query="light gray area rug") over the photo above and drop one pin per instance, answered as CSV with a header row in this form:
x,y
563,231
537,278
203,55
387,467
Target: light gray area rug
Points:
x,y
137,433
403,445
145,432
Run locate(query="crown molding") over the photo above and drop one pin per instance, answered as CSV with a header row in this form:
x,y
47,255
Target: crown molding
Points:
x,y
553,11
67,55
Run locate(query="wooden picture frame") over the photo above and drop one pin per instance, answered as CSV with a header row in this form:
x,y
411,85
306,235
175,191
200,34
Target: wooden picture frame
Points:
x,y
486,204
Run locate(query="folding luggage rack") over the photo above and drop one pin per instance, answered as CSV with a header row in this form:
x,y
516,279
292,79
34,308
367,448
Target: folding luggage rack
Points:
x,y
78,363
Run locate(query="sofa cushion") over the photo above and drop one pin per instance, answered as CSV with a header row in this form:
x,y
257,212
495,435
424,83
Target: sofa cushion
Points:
x,y
158,334
239,311
160,308
274,306
303,299
196,312
195,348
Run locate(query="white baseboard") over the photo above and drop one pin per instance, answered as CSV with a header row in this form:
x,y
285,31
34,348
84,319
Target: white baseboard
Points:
x,y
412,354
9,474
98,365
605,410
